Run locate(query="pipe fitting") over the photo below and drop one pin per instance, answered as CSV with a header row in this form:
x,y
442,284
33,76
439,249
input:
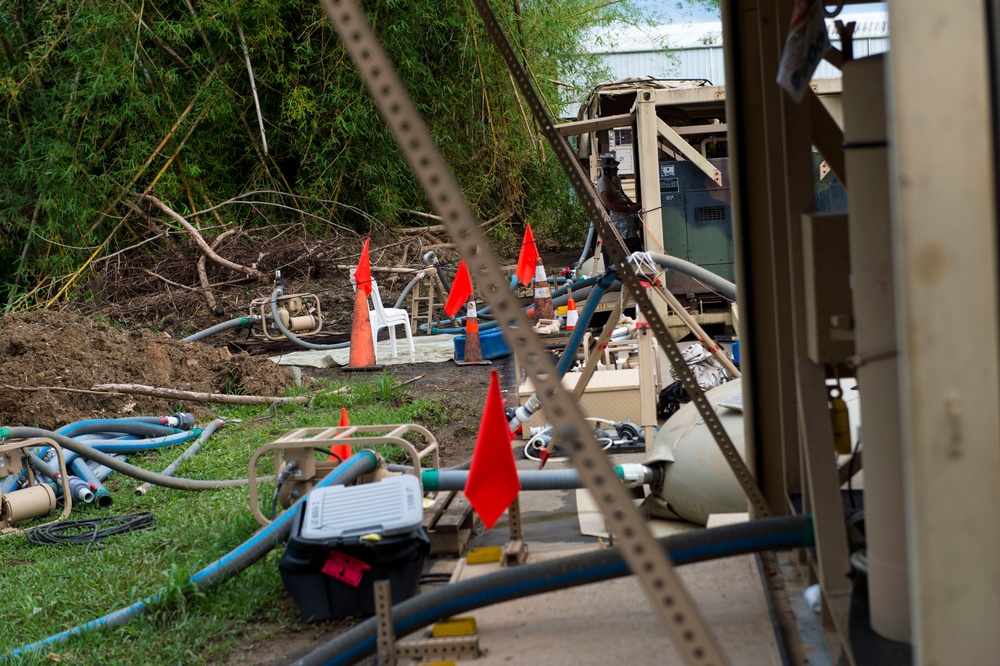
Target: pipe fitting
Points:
x,y
103,499
80,489
523,413
182,420
634,475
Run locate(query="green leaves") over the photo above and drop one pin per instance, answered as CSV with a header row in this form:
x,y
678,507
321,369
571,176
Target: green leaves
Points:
x,y
92,108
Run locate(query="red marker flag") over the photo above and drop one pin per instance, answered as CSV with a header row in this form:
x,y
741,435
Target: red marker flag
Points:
x,y
528,258
492,485
461,289
363,273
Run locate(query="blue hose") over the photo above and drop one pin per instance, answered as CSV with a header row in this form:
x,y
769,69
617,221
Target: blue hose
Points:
x,y
573,286
116,426
9,483
528,580
123,431
236,561
122,445
83,471
589,308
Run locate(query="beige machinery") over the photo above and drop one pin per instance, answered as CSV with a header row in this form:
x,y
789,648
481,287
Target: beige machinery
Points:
x,y
34,501
917,153
899,291
813,306
300,313
298,470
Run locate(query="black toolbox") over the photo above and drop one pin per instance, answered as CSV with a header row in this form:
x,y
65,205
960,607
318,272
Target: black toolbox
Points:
x,y
333,575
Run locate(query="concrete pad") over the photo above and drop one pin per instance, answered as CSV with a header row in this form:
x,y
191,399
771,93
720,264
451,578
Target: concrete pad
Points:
x,y
597,623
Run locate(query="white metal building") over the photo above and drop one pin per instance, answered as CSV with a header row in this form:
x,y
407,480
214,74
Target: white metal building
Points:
x,y
694,50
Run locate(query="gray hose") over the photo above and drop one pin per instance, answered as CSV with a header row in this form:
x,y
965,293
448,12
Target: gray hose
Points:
x,y
189,452
586,245
291,336
531,479
43,467
224,326
131,470
77,487
710,279
531,579
409,285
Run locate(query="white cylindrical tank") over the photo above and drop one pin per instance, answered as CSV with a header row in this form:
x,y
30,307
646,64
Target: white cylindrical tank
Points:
x,y
697,480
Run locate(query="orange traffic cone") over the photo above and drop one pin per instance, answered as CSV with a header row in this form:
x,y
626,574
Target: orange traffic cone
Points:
x,y
473,348
543,297
571,316
341,452
362,355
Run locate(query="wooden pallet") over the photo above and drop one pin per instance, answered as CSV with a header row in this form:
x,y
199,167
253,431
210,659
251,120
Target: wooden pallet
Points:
x,y
449,523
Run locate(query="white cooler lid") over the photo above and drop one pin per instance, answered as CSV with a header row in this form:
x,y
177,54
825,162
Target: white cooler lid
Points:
x,y
391,506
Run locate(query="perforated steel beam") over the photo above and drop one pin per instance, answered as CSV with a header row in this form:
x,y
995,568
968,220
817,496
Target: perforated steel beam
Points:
x,y
681,619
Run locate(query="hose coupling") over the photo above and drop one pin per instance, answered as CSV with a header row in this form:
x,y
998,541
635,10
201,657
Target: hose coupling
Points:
x,y
182,420
634,475
80,489
523,413
287,471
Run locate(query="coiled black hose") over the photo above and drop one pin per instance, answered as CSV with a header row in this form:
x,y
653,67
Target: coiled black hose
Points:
x,y
89,530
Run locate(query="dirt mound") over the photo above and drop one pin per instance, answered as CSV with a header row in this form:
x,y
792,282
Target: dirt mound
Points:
x,y
43,351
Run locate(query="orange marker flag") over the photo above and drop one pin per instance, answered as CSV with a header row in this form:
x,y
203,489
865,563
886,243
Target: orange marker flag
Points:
x,y
363,273
492,484
461,289
528,258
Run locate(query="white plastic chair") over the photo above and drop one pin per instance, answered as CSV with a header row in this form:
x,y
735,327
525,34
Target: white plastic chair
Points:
x,y
383,317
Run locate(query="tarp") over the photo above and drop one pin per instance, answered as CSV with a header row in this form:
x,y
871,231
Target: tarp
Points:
x,y
429,349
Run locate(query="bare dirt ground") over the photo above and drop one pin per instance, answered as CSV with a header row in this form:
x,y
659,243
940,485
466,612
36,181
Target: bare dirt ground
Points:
x,y
49,361
127,326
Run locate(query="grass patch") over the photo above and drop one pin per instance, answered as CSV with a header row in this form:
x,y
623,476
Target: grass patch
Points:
x,y
50,589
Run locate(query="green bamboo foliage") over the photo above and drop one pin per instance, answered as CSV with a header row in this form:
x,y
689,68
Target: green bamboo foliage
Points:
x,y
105,99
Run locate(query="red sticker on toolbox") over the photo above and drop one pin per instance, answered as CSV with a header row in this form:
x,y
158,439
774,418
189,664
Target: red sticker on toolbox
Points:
x,y
345,568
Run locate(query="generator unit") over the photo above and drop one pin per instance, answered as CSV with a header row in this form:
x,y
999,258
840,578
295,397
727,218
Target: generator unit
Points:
x,y
697,225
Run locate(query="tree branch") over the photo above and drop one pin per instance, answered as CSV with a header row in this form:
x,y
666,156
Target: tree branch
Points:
x,y
195,396
201,241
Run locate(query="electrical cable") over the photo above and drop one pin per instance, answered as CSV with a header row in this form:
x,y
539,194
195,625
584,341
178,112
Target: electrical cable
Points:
x,y
531,579
89,530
